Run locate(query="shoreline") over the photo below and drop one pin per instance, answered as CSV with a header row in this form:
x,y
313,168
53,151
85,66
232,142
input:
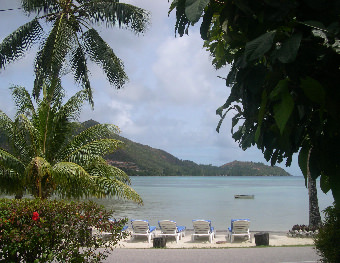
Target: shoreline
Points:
x,y
276,238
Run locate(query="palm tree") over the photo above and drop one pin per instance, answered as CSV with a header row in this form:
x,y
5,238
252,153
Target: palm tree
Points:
x,y
314,211
44,158
72,37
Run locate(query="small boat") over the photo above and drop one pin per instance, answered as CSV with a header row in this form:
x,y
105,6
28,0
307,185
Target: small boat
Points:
x,y
244,196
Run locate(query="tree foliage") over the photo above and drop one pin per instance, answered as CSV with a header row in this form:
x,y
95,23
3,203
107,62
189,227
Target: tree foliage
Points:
x,y
327,242
72,40
284,77
43,157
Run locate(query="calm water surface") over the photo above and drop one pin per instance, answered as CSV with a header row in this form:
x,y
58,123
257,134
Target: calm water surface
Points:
x,y
280,202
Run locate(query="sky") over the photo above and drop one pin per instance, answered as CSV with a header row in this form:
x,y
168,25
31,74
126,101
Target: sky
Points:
x,y
172,95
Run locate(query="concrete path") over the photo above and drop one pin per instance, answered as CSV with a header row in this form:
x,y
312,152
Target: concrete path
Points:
x,y
230,255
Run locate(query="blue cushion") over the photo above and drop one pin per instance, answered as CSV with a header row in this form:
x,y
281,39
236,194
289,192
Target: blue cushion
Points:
x,y
124,228
152,228
180,228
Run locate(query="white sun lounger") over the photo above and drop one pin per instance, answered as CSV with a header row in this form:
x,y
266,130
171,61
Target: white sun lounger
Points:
x,y
170,228
203,228
239,227
142,228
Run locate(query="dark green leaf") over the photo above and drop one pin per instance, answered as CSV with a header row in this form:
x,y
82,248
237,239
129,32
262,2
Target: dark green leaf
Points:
x,y
303,160
256,48
289,49
324,183
194,9
313,90
261,115
284,108
314,167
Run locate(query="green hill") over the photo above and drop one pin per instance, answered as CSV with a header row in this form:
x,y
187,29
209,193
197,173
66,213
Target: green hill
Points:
x,y
141,160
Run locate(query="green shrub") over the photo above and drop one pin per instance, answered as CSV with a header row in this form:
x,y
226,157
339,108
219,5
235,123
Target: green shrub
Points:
x,y
43,231
327,242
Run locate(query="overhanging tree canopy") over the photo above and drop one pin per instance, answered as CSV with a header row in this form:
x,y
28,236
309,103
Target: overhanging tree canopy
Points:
x,y
284,79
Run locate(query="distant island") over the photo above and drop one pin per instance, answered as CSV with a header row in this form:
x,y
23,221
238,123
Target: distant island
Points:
x,y
141,160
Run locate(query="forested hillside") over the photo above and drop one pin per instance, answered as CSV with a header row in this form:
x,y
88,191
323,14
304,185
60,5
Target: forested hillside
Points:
x,y
141,160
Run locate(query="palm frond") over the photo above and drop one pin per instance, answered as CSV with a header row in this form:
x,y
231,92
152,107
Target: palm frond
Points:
x,y
22,100
101,53
53,93
95,132
93,150
10,162
79,66
51,56
72,180
37,6
17,137
111,12
16,44
114,187
100,167
72,108
31,134
59,126
6,124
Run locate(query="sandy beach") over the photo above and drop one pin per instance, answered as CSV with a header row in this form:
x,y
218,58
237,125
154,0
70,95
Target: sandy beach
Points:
x,y
220,241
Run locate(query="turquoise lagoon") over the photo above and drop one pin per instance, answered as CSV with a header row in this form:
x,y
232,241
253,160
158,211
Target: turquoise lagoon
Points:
x,y
279,203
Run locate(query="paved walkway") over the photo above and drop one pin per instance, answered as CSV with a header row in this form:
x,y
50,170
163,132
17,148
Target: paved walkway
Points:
x,y
230,255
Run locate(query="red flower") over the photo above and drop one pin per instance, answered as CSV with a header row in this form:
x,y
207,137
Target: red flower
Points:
x,y
35,216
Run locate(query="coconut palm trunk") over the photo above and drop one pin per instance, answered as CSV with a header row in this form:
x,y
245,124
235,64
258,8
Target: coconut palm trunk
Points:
x,y
314,211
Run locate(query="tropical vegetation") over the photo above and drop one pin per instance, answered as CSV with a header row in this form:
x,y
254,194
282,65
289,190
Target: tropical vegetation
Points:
x,y
72,39
284,77
35,230
44,158
138,159
327,242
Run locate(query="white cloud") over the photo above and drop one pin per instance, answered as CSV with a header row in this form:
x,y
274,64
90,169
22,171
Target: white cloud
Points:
x,y
171,98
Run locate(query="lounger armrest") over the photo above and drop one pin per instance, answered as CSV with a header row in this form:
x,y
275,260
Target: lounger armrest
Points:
x,y
229,229
212,229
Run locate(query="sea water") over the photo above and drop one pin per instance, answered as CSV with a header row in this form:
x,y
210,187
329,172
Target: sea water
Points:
x,y
279,203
